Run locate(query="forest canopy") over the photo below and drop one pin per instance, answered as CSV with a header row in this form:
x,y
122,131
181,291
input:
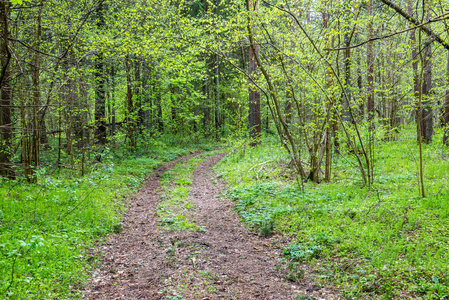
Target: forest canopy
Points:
x,y
330,73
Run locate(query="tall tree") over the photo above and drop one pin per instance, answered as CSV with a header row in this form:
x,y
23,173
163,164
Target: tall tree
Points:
x,y
36,123
446,106
426,108
370,64
100,81
254,95
347,35
217,97
6,128
414,58
130,116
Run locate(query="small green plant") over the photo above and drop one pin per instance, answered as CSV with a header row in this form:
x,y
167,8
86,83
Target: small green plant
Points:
x,y
294,271
266,227
300,252
117,228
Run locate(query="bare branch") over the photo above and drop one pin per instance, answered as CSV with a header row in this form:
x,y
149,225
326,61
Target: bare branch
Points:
x,y
439,18
414,21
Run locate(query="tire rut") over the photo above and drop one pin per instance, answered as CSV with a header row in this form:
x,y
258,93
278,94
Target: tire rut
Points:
x,y
225,261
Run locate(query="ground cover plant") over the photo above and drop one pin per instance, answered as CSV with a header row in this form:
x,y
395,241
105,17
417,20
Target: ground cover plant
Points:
x,y
47,228
382,242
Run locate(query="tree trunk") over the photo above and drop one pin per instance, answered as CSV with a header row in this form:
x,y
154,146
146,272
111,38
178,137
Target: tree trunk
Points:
x,y
100,90
347,63
329,84
217,97
370,65
130,117
416,88
6,128
254,95
446,106
112,100
426,110
138,95
36,125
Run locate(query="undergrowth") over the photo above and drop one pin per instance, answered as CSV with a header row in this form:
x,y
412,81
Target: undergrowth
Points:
x,y
384,243
47,229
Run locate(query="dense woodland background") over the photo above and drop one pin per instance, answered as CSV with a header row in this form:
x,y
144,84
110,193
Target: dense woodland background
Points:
x,y
331,84
318,74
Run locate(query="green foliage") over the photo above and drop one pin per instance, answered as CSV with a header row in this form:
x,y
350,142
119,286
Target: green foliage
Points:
x,y
294,271
47,230
377,242
302,253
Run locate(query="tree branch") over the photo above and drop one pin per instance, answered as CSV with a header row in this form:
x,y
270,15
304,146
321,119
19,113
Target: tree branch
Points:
x,y
414,21
439,18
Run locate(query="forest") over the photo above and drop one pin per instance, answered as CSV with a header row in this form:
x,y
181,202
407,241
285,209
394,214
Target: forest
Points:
x,y
322,125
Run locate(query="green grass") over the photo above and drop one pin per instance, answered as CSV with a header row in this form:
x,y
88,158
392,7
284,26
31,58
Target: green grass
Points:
x,y
386,242
47,230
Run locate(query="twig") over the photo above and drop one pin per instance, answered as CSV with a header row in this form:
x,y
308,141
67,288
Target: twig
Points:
x,y
260,164
414,21
76,206
439,18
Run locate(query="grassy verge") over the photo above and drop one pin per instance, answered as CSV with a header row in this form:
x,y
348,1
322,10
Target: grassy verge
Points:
x,y
47,229
382,243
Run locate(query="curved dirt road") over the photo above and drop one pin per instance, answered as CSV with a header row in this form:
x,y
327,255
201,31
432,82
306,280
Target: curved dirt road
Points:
x,y
225,261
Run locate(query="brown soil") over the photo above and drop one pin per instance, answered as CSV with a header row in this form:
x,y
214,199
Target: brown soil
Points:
x,y
227,261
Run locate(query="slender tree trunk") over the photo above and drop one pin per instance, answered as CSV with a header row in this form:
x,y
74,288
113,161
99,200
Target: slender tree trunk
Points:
x,y
254,95
360,88
295,152
160,121
289,87
329,84
174,111
41,118
6,128
217,97
36,125
347,63
146,101
112,100
416,85
138,95
130,117
425,129
206,108
370,65
426,110
217,85
100,91
446,106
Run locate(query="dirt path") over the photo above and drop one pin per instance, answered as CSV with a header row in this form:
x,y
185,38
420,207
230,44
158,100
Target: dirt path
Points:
x,y
225,261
